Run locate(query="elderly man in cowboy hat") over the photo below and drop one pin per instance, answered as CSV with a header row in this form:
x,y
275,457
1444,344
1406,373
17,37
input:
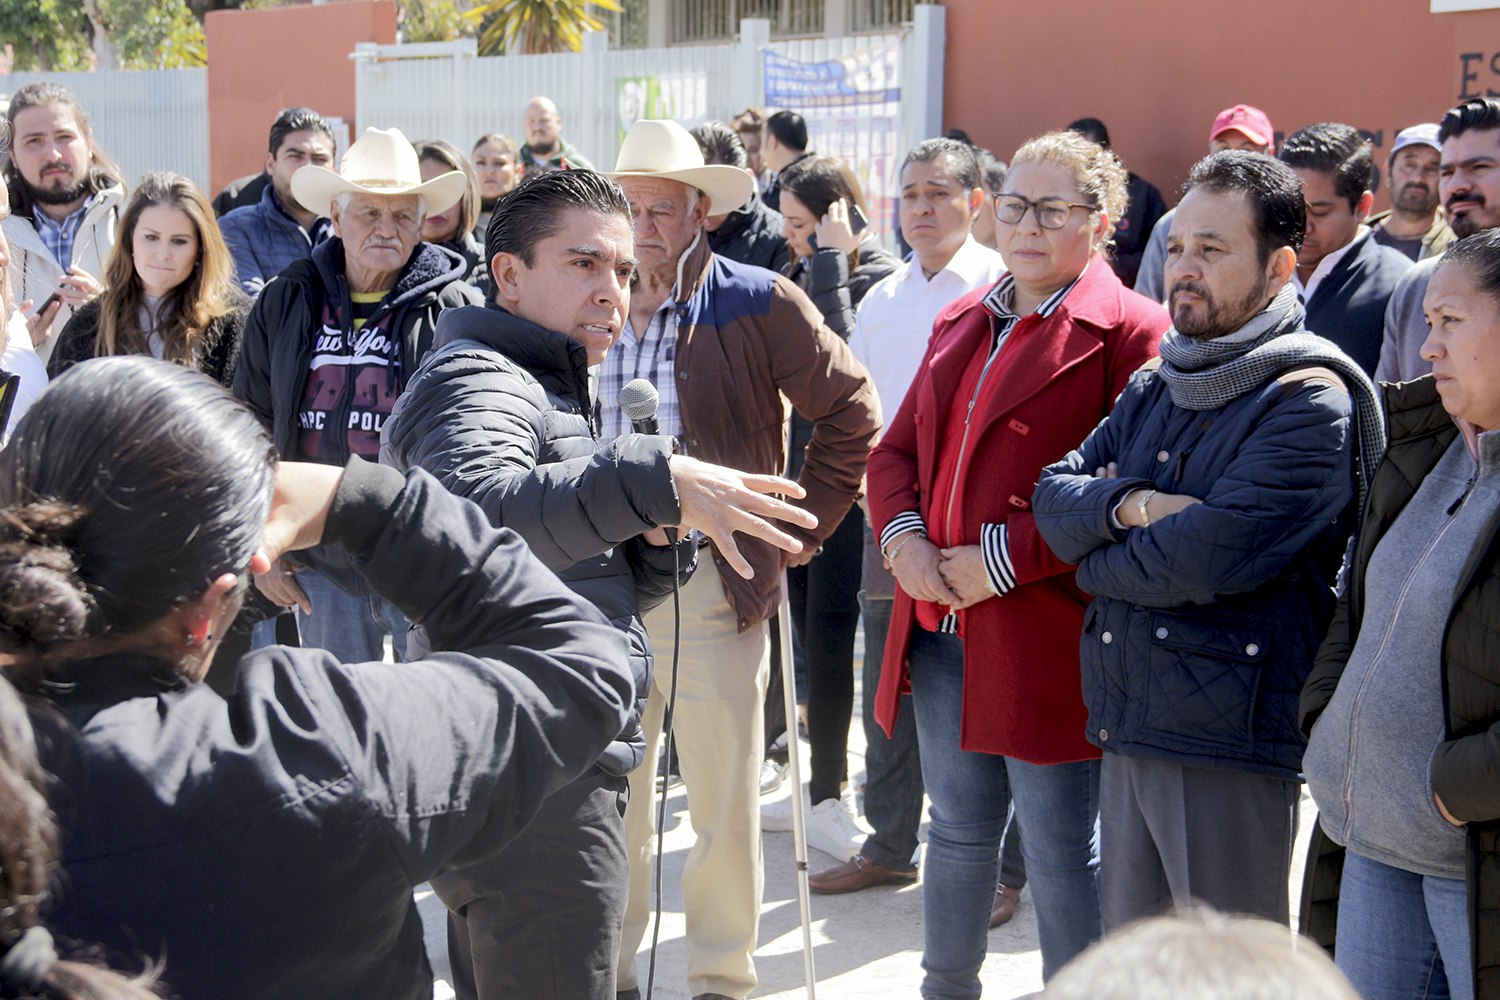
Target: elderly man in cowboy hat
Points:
x,y
723,342
331,343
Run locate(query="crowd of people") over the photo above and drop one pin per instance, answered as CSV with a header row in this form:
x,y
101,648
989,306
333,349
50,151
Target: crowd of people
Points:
x,y
1148,515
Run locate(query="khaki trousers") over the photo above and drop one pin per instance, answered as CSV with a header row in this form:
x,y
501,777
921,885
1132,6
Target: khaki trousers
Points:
x,y
719,733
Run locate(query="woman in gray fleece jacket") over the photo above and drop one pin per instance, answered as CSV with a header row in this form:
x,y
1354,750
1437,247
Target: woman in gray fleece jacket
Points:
x,y
1398,759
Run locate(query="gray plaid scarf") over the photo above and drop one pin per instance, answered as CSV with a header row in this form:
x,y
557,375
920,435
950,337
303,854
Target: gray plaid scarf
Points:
x,y
1209,374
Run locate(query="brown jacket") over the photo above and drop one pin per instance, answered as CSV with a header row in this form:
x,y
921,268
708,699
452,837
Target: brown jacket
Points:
x,y
745,338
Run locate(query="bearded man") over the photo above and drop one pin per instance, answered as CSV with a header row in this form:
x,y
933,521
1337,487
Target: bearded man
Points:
x,y
65,200
1207,514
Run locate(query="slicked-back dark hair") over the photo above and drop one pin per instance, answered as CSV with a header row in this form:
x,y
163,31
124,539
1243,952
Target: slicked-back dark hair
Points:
x,y
1482,113
299,119
1334,149
1091,129
960,155
720,144
533,210
1480,256
789,129
992,171
1272,189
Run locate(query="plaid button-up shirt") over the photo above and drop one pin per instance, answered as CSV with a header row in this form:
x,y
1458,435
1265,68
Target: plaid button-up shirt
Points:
x,y
59,236
651,355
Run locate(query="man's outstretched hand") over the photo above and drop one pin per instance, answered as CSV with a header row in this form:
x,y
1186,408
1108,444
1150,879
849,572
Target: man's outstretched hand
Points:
x,y
719,502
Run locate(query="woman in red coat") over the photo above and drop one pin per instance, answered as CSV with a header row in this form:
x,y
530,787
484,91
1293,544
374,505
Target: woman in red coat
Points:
x,y
984,631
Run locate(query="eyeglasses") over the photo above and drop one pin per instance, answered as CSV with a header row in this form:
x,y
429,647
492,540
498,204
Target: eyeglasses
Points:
x,y
1051,213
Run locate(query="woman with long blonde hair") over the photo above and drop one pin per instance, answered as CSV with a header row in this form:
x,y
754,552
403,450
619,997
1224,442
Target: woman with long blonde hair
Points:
x,y
169,287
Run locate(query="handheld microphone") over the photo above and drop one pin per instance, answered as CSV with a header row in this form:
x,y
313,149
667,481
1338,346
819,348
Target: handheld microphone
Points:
x,y
640,400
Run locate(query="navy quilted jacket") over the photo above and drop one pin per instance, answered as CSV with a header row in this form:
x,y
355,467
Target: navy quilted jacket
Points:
x,y
263,240
1204,625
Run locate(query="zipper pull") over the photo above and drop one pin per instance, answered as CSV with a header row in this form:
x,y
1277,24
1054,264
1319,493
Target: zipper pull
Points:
x,y
1453,507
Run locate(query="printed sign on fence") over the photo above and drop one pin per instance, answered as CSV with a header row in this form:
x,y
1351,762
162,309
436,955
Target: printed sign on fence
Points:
x,y
852,106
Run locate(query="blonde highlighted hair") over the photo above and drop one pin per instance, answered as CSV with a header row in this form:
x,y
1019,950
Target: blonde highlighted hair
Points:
x,y
1099,174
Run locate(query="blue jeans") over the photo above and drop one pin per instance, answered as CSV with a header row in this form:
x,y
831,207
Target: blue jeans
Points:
x,y
970,793
1403,936
352,628
893,766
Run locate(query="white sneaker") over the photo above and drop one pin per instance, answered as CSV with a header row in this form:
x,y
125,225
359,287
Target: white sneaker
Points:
x,y
832,828
776,817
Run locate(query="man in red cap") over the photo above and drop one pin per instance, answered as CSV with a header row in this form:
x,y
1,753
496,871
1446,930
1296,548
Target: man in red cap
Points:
x,y
1239,127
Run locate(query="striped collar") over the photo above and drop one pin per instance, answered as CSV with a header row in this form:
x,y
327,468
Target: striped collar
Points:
x,y
999,300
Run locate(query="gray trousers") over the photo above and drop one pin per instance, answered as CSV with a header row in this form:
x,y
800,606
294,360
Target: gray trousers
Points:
x,y
1171,836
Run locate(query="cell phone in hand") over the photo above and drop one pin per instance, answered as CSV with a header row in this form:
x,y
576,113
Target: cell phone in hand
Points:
x,y
858,222
46,303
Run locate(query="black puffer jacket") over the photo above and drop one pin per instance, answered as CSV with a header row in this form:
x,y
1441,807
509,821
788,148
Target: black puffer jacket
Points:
x,y
837,290
752,235
1464,765
500,413
217,358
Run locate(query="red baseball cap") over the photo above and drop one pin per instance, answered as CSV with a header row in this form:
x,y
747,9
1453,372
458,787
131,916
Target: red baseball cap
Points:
x,y
1243,118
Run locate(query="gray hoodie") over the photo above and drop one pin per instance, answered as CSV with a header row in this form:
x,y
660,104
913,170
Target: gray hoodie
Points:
x,y
1369,755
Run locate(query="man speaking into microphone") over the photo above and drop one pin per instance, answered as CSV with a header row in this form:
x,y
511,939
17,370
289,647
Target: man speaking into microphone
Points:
x,y
502,412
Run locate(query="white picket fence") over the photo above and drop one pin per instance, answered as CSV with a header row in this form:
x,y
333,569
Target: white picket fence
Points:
x,y
143,119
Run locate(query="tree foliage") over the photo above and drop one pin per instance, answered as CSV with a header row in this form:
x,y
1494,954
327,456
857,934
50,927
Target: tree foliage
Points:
x,y
46,35
532,26
433,20
66,35
154,34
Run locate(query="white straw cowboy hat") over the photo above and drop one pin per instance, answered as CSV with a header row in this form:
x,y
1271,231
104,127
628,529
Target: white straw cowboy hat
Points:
x,y
662,148
383,161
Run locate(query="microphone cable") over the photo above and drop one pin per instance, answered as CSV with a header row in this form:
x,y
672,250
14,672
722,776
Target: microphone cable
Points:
x,y
661,802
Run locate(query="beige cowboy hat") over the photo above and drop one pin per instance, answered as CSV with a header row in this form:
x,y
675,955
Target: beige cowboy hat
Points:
x,y
662,148
383,161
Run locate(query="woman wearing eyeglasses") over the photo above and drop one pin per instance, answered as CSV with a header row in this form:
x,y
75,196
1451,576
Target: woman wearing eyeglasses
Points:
x,y
986,621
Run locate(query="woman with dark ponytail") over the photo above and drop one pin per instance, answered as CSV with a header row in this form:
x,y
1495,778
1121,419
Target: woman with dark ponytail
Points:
x,y
29,962
266,844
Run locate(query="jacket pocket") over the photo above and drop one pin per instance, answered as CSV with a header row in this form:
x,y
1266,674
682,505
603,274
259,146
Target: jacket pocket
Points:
x,y
1204,678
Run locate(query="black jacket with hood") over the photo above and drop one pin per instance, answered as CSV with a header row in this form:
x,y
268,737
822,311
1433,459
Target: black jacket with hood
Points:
x,y
752,235
281,335
282,331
